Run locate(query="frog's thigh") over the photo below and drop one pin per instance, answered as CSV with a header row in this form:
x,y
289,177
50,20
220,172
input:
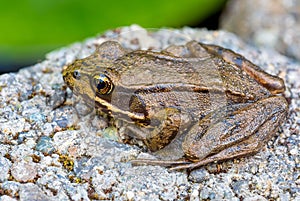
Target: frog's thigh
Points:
x,y
246,147
274,84
255,130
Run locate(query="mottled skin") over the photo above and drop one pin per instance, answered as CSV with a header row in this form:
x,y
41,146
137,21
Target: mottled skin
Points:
x,y
202,103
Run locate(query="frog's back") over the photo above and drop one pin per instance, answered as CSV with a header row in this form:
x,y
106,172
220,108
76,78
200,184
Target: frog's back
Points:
x,y
206,74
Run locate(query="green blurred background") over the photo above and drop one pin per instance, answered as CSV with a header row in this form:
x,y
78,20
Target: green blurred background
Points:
x,y
31,28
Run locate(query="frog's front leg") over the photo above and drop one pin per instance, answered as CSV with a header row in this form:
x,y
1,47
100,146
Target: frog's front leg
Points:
x,y
165,126
162,128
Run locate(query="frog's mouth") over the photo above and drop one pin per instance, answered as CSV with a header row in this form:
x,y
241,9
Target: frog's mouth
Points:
x,y
67,81
67,77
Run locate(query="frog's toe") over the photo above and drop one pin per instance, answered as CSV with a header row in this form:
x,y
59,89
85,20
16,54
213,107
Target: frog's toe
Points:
x,y
165,163
247,147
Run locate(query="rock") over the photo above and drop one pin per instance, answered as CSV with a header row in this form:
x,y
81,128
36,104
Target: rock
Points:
x,y
31,191
23,171
45,145
199,175
5,165
7,198
269,23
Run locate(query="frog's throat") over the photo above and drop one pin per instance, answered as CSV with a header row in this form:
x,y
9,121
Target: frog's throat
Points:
x,y
110,107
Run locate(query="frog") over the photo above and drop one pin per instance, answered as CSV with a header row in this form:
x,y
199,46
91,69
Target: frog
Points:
x,y
198,102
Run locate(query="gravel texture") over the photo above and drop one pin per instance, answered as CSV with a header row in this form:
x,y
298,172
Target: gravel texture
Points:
x,y
51,150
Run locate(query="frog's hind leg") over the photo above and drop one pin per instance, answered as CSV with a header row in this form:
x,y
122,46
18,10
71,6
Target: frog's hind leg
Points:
x,y
241,149
246,147
272,83
248,139
230,132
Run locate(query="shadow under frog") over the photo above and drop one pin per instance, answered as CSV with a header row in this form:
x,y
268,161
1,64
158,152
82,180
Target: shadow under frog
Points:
x,y
190,105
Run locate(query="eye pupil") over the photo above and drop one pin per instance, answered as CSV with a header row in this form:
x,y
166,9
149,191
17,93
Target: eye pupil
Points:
x,y
103,84
76,74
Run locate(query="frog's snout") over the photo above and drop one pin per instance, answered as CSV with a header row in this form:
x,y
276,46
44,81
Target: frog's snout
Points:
x,y
65,71
66,74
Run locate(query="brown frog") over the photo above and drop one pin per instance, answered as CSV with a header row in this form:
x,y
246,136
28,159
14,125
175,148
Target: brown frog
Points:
x,y
199,103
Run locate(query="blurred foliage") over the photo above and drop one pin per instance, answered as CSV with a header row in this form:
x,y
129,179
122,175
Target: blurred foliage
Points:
x,y
31,28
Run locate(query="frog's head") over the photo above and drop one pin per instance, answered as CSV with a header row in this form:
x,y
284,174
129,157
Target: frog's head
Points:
x,y
96,75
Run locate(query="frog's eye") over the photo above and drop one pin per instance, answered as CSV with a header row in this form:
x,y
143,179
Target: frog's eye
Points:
x,y
103,84
76,74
